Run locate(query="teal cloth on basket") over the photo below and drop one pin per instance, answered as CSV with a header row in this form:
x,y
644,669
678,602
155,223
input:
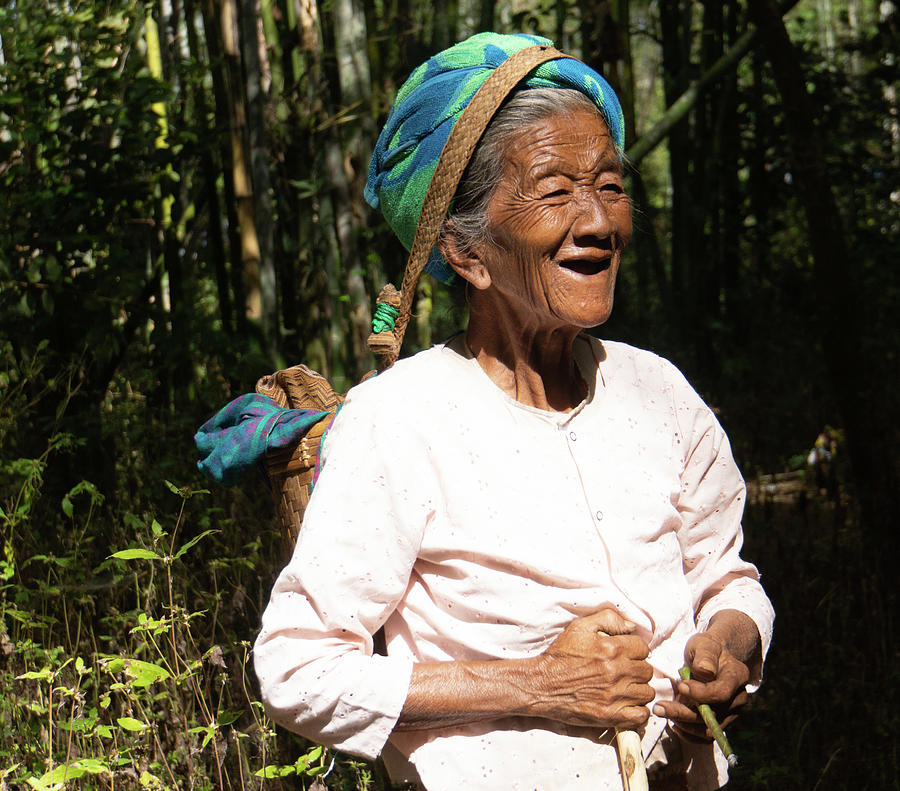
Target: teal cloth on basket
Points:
x,y
429,104
238,436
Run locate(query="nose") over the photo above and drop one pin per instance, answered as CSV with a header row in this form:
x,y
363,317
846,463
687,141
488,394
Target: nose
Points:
x,y
595,219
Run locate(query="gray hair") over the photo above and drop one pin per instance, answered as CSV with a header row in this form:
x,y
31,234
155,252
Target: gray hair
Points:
x,y
468,212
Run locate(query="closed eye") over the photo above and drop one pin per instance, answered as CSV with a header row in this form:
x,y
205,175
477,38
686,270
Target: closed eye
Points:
x,y
555,194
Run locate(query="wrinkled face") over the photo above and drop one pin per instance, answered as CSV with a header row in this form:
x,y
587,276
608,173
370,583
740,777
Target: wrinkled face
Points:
x,y
559,219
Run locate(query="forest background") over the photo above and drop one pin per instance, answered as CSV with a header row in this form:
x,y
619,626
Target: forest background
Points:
x,y
181,212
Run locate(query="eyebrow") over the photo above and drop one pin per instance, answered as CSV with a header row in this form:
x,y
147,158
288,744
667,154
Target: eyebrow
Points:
x,y
605,162
610,161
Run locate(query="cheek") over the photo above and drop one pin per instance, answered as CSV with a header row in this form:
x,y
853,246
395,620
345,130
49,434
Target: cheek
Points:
x,y
538,229
620,211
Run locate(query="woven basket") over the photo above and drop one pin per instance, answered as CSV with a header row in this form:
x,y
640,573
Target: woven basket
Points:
x,y
291,471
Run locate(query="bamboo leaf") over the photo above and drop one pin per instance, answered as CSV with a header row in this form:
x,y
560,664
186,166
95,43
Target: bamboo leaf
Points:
x,y
144,674
42,674
227,717
269,772
61,774
208,732
94,766
173,488
131,724
193,541
136,554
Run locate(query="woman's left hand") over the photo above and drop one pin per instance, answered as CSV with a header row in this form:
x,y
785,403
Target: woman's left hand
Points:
x,y
718,678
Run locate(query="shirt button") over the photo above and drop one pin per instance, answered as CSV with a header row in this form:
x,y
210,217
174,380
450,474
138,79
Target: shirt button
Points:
x,y
599,516
573,436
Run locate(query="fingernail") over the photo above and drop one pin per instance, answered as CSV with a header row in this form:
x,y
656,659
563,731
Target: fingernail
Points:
x,y
659,711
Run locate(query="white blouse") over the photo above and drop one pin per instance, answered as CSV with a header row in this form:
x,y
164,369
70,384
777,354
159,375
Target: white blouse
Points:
x,y
473,527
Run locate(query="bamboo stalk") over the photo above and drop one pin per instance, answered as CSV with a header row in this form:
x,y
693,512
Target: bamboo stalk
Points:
x,y
712,724
154,64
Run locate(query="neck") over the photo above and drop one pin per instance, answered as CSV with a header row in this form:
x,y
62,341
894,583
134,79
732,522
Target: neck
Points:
x,y
533,365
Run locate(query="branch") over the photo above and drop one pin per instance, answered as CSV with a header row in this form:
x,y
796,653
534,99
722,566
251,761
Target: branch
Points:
x,y
682,105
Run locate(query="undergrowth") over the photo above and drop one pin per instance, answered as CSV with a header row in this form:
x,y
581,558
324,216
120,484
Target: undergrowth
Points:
x,y
127,616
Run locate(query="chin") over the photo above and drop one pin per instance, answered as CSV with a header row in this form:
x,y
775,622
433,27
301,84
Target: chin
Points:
x,y
587,316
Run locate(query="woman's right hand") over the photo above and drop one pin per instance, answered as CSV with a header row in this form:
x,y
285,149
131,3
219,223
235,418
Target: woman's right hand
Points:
x,y
595,674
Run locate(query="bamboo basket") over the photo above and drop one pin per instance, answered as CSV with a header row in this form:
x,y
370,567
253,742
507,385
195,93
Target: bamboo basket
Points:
x,y
291,470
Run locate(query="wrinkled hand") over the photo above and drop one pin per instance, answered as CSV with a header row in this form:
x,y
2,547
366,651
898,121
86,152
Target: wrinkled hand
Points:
x,y
594,674
717,679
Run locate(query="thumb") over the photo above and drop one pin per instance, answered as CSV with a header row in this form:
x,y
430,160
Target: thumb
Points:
x,y
610,622
704,659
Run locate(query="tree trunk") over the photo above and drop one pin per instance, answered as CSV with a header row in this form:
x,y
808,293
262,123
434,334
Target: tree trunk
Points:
x,y
703,236
486,17
732,219
888,18
675,66
440,35
647,254
251,39
242,180
212,27
216,245
347,159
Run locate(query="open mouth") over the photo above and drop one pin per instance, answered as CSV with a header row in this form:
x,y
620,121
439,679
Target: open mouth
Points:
x,y
587,266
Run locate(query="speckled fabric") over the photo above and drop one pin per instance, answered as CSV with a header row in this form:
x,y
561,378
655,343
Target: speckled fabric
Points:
x,y
473,527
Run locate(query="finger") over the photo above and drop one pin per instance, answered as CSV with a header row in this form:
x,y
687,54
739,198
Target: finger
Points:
x,y
642,671
722,690
635,648
609,621
641,694
677,712
633,717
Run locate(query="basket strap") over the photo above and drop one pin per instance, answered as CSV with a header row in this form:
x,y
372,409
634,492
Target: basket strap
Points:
x,y
453,160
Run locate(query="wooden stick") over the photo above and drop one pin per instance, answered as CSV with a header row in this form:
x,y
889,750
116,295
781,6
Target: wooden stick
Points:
x,y
631,761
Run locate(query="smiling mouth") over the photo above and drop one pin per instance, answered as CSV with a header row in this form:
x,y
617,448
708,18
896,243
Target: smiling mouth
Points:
x,y
587,266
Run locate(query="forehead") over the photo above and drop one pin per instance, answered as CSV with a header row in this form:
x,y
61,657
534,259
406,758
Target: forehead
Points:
x,y
578,141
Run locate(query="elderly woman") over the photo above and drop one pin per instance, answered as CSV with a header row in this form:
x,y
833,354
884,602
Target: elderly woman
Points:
x,y
546,526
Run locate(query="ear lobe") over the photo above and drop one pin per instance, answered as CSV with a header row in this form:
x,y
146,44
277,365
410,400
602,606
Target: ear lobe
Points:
x,y
466,263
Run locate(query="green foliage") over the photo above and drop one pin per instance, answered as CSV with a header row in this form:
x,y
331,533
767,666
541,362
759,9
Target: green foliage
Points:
x,y
124,652
128,602
78,180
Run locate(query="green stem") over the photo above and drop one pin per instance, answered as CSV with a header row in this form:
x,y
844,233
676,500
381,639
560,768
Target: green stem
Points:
x,y
712,723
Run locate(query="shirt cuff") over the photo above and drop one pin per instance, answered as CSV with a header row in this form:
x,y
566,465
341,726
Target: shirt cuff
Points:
x,y
357,702
746,596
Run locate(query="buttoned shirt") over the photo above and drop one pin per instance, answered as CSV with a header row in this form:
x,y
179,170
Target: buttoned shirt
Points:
x,y
473,527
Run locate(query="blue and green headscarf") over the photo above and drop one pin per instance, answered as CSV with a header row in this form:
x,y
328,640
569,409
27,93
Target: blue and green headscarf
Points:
x,y
429,104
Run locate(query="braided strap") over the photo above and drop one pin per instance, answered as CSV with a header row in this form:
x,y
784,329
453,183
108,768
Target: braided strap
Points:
x,y
453,160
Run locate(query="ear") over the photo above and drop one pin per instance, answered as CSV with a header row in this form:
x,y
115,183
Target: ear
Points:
x,y
468,264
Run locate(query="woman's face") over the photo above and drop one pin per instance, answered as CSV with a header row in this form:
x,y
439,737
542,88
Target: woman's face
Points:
x,y
559,220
